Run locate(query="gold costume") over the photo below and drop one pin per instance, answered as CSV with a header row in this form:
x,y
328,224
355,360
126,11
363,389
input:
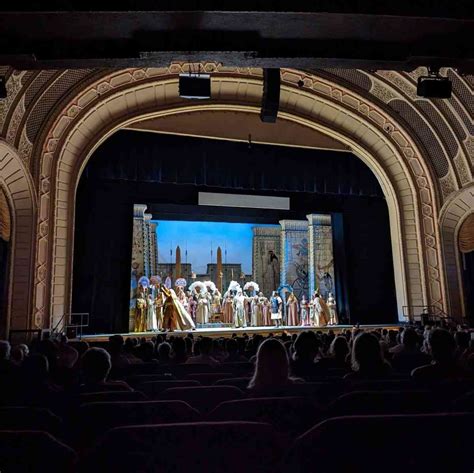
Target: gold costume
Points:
x,y
175,316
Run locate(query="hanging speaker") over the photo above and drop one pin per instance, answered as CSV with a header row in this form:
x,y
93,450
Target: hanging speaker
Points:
x,y
271,95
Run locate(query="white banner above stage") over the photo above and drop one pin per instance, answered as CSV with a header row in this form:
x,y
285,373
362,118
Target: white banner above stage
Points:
x,y
244,201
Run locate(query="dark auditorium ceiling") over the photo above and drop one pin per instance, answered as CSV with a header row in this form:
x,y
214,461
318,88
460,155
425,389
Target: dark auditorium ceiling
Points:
x,y
367,34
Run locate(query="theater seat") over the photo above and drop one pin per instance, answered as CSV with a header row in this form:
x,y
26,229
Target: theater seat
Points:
x,y
383,402
30,418
210,447
323,392
389,444
208,379
240,383
135,380
153,389
464,403
96,418
112,396
289,415
203,398
238,368
180,371
34,452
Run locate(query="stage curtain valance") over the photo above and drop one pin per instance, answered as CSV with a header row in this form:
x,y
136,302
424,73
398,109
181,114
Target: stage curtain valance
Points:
x,y
466,235
169,159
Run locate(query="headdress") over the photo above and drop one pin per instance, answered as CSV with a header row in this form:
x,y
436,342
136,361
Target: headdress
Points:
x,y
144,281
250,284
211,287
199,284
180,282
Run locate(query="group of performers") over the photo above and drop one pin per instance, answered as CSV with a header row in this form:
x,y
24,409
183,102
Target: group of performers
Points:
x,y
159,307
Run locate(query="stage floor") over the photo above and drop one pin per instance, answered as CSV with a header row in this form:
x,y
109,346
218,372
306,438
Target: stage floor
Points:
x,y
215,332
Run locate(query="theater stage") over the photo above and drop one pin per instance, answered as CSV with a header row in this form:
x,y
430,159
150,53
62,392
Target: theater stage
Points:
x,y
215,332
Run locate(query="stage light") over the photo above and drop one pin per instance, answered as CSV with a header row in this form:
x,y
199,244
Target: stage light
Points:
x,y
271,95
3,88
195,86
434,86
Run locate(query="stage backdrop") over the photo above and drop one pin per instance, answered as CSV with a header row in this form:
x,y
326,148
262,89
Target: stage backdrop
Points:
x,y
166,172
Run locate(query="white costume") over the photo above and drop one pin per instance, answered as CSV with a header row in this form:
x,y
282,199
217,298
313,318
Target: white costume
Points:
x,y
239,310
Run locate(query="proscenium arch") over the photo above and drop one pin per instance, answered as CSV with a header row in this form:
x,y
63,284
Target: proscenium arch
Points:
x,y
382,144
17,185
453,214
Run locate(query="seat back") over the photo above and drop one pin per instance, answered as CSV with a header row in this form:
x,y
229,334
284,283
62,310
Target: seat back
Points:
x,y
138,379
289,415
96,418
112,396
383,402
208,379
209,447
431,442
240,383
34,452
153,389
203,398
30,418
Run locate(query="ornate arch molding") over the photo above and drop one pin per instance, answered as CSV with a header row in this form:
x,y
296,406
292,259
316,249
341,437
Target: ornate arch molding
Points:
x,y
124,96
456,209
17,185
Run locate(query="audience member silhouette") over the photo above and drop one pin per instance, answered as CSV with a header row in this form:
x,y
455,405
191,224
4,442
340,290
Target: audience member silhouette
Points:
x,y
272,368
367,358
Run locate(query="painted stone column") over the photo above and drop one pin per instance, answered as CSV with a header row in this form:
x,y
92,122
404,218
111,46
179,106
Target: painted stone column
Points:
x,y
294,247
321,256
153,249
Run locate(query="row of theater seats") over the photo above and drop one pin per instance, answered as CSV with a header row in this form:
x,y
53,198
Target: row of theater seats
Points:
x,y
259,434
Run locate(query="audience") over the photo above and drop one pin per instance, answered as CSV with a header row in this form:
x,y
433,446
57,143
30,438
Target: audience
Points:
x,y
233,354
409,356
443,352
52,373
205,353
367,358
164,353
306,349
272,368
96,366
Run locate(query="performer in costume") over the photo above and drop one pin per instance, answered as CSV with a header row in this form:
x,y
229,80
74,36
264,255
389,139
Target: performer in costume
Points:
x,y
260,309
276,306
175,315
304,311
267,309
216,302
239,310
228,309
202,310
151,313
140,312
254,311
321,310
313,316
292,309
192,305
331,303
159,302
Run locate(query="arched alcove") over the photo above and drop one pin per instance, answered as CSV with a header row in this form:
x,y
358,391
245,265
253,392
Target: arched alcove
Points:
x,y
17,188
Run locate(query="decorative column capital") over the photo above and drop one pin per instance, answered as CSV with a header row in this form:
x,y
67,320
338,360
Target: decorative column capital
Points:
x,y
300,225
319,219
139,210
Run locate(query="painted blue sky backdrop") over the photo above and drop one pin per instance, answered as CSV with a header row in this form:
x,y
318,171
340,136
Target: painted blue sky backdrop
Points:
x,y
197,238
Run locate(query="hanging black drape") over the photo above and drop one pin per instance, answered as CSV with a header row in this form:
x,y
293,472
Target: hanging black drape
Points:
x,y
166,172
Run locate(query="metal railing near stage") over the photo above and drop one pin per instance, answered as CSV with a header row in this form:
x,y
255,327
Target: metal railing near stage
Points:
x,y
72,324
425,314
